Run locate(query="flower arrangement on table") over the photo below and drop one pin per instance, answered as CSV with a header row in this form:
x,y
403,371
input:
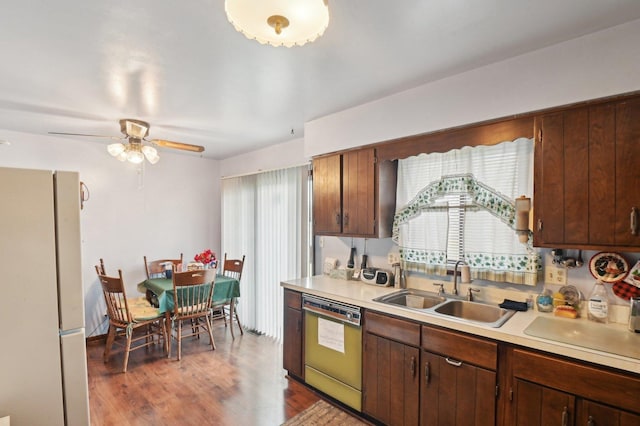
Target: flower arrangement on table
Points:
x,y
207,258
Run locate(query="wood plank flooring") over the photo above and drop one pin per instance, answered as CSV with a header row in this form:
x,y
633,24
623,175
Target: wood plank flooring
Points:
x,y
240,383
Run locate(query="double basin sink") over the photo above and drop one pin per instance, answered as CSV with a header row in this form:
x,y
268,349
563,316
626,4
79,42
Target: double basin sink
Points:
x,y
464,310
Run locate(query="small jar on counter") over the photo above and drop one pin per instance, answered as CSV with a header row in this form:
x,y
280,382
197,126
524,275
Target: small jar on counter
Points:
x,y
544,301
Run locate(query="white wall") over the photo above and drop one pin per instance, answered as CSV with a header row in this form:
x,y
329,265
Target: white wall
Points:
x,y
172,207
597,65
280,156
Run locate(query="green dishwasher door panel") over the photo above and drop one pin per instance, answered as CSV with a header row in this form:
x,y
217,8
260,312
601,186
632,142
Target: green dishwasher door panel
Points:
x,y
345,367
343,393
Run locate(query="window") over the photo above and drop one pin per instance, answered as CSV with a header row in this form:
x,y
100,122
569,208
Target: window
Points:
x,y
460,205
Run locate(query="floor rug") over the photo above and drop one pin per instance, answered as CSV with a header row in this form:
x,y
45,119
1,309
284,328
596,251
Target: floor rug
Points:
x,y
322,413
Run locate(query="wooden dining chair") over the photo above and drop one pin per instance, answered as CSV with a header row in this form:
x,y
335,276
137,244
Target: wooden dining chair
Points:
x,y
231,268
156,268
129,317
100,268
192,293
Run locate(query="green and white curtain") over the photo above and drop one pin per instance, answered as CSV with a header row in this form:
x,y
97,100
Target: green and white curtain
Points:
x,y
460,205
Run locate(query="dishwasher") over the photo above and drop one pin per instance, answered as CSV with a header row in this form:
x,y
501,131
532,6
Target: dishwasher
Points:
x,y
333,349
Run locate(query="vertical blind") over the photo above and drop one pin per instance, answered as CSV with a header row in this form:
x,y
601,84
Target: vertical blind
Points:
x,y
265,218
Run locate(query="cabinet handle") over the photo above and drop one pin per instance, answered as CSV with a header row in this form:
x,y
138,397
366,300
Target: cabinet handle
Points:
x,y
634,221
413,366
565,417
590,422
453,362
346,219
298,326
337,218
539,225
427,372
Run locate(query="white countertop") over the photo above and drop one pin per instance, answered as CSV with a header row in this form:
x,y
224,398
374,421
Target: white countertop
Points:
x,y
360,294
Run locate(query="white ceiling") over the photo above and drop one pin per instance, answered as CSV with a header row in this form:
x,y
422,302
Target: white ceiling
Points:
x,y
78,66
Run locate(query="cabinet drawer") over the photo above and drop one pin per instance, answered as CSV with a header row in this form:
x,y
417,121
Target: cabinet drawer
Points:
x,y
462,347
293,299
608,387
392,328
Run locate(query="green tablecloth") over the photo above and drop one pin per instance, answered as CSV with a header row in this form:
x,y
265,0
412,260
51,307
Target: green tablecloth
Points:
x,y
225,289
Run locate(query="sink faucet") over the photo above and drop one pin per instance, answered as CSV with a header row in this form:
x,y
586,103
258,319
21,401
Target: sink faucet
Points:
x,y
455,277
470,294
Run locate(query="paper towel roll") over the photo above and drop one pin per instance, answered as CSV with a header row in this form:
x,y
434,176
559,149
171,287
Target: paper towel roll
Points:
x,y
465,274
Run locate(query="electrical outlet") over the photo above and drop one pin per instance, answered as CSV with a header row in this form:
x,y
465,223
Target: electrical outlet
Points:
x,y
393,258
555,275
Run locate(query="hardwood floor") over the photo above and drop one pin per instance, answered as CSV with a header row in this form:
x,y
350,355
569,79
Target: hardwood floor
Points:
x,y
240,383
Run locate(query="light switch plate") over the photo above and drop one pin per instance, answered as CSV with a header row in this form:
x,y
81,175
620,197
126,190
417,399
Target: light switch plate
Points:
x,y
555,275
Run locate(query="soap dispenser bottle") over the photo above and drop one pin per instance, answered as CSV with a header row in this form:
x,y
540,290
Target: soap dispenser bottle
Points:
x,y
598,303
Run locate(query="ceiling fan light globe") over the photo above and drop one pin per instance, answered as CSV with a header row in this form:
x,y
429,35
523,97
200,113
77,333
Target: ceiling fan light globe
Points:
x,y
135,157
122,156
150,153
115,149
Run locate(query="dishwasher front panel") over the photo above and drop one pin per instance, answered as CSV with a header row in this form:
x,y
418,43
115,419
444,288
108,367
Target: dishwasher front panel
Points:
x,y
340,358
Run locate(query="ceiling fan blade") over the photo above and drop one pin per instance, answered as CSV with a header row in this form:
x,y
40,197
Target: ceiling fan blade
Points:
x,y
177,145
84,134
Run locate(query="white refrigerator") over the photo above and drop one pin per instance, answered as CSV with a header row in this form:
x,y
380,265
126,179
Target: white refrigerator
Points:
x,y
43,364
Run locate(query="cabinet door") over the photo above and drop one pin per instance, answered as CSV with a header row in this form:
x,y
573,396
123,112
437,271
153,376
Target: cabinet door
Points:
x,y
561,178
456,393
627,171
327,194
537,405
292,339
390,381
594,414
359,192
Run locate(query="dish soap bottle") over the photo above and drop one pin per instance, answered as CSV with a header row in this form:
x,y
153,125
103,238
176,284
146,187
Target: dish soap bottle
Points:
x,y
598,303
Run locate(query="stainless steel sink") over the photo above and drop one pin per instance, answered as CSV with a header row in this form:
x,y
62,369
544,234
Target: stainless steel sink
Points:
x,y
493,316
412,298
454,308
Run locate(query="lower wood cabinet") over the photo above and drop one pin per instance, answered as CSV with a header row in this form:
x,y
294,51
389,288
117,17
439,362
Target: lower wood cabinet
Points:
x,y
549,390
391,358
292,357
459,385
539,405
593,414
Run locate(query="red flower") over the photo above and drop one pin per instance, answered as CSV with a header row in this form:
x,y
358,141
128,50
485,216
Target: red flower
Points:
x,y
205,257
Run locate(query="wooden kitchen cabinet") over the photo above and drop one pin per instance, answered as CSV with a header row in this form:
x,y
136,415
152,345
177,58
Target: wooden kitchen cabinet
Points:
x,y
593,414
586,177
353,194
547,390
459,385
391,359
292,357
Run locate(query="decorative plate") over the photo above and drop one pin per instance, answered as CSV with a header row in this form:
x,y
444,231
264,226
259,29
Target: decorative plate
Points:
x,y
608,267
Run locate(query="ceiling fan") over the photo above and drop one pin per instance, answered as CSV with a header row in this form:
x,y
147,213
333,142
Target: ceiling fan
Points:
x,y
133,150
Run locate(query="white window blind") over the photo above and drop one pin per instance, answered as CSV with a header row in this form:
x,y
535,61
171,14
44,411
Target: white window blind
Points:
x,y
459,205
265,217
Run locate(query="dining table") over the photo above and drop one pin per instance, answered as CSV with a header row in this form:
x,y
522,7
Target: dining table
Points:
x,y
159,292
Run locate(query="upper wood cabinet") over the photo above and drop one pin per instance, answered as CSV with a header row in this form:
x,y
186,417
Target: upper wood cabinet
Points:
x,y
587,177
353,194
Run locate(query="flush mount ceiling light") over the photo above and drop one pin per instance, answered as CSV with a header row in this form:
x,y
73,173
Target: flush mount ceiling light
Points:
x,y
279,22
